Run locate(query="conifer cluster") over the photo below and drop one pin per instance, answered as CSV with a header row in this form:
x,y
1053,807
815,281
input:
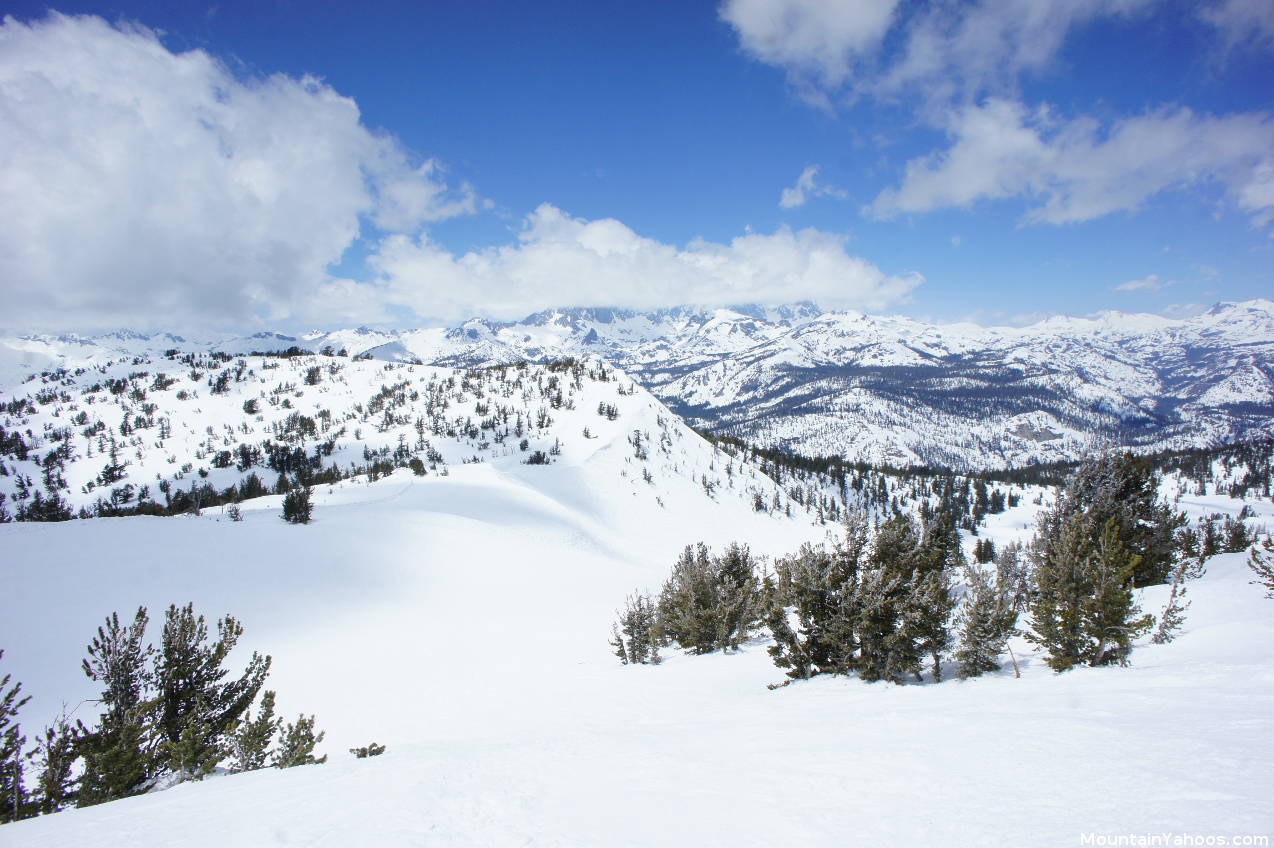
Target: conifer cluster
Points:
x,y
168,714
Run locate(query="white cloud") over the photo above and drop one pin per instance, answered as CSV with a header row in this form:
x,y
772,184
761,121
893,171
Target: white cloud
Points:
x,y
1242,21
818,42
1148,283
807,186
946,50
1183,310
141,187
1076,170
964,51
559,259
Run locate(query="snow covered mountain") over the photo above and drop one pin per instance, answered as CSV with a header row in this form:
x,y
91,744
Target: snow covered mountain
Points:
x,y
878,389
452,600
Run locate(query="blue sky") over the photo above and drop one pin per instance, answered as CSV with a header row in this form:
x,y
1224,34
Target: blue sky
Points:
x,y
983,160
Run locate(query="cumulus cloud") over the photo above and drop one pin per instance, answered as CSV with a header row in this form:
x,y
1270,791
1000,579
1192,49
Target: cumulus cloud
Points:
x,y
1077,169
807,186
143,187
560,259
1148,283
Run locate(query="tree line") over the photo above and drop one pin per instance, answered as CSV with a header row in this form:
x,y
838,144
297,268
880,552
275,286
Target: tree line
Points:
x,y
892,601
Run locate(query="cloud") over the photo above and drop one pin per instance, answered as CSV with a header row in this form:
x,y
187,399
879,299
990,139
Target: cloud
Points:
x,y
1183,310
560,259
806,187
1077,169
819,42
143,187
1242,22
939,51
1148,283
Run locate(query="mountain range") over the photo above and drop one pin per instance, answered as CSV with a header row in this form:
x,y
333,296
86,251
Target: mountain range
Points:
x,y
884,390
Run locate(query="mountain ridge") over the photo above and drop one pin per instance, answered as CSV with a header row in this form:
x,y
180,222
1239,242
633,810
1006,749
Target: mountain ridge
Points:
x,y
886,389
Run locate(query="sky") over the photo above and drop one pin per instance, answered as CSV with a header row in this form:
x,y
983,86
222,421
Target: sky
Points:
x,y
290,165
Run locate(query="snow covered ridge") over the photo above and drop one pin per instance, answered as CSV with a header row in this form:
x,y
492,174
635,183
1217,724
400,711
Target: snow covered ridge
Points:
x,y
184,432
879,389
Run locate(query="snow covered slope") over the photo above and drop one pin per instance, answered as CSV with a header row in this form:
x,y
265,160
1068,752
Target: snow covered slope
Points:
x,y
186,429
461,621
460,617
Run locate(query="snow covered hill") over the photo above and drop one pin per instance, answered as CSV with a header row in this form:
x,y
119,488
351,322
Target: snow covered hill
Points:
x,y
460,616
872,388
461,621
196,430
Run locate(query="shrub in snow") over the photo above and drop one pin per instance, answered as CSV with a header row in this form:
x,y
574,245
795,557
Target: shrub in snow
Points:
x,y
296,744
372,750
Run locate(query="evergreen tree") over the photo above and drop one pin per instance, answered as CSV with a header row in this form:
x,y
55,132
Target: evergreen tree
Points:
x,y
637,634
710,602
1174,614
296,506
196,752
14,803
1110,612
816,606
1261,561
1083,609
986,621
296,744
887,642
250,742
1125,488
55,755
198,707
118,754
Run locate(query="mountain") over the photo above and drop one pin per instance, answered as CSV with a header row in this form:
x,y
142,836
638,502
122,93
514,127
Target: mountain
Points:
x,y
474,533
871,388
462,620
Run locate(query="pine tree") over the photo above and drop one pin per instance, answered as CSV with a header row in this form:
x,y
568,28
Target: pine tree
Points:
x,y
250,742
55,755
1083,610
1125,488
1111,613
192,756
296,744
932,598
617,642
637,634
296,506
1174,614
986,621
1261,561
14,803
689,600
119,753
711,602
197,706
816,604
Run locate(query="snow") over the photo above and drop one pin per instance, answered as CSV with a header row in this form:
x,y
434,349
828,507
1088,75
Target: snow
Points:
x,y
462,621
